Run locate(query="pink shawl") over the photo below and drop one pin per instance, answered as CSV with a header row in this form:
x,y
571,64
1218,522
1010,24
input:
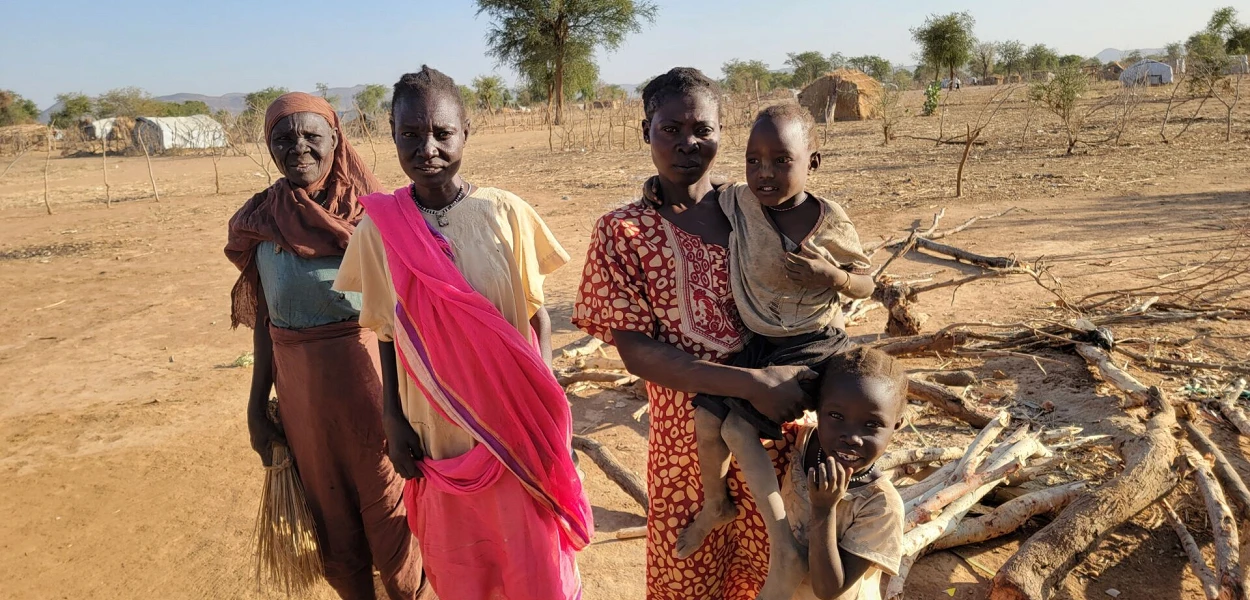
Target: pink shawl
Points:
x,y
476,368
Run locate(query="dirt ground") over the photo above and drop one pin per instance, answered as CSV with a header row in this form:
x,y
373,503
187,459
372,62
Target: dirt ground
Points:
x,y
125,464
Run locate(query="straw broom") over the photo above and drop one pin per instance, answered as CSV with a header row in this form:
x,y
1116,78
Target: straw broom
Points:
x,y
287,555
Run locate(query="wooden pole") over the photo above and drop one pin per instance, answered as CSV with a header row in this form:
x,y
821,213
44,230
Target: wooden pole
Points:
x,y
108,191
148,157
47,163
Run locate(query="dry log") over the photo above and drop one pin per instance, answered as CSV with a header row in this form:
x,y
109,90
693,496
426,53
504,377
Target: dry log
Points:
x,y
910,456
587,346
1041,562
932,507
632,533
954,378
901,320
938,478
1228,574
1196,561
946,401
1189,364
1010,516
1135,393
989,262
915,540
1231,480
616,472
973,457
933,343
614,377
1228,406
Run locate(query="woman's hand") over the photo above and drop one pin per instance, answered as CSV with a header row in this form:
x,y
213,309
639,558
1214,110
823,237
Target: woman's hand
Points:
x,y
810,270
264,434
403,445
779,392
827,483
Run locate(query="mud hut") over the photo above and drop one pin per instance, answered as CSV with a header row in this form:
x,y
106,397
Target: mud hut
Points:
x,y
1112,70
845,94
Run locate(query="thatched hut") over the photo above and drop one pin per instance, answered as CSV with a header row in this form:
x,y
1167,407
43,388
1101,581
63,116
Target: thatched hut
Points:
x,y
992,80
845,94
1112,71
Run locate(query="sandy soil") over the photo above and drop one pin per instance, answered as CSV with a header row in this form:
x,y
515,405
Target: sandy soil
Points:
x,y
125,461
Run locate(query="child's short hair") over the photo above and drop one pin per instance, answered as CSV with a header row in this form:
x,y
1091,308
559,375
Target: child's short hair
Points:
x,y
425,84
862,362
791,111
678,81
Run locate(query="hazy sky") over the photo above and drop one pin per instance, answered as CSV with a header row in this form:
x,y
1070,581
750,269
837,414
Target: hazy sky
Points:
x,y
226,46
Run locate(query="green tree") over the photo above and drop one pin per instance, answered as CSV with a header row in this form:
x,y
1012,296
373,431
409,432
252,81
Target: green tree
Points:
x,y
538,76
808,67
258,102
525,33
876,66
182,109
371,102
983,56
488,90
1062,96
902,78
127,102
1236,36
323,90
837,60
1093,61
74,107
1175,51
742,76
468,96
1041,57
946,40
1011,55
642,86
610,92
1071,60
16,110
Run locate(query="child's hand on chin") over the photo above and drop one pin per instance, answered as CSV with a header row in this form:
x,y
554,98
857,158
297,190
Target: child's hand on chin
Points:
x,y
827,483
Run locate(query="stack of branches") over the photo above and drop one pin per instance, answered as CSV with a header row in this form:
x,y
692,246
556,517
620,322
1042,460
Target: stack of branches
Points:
x,y
1216,482
937,507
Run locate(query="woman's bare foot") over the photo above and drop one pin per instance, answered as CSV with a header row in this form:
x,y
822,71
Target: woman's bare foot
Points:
x,y
786,569
713,515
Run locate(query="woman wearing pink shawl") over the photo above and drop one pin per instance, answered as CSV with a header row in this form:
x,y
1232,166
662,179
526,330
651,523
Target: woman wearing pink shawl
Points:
x,y
451,276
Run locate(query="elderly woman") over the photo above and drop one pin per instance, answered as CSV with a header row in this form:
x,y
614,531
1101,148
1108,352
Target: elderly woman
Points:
x,y
656,284
288,242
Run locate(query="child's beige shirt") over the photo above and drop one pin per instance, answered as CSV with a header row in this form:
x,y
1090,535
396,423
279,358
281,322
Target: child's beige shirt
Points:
x,y
770,303
870,524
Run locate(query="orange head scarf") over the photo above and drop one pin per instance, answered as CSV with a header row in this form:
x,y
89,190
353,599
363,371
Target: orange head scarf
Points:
x,y
289,216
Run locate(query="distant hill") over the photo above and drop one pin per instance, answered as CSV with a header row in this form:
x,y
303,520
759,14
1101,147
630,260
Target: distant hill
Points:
x,y
234,102
1111,54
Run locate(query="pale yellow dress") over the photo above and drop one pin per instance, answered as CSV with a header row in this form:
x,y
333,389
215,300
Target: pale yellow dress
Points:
x,y
503,249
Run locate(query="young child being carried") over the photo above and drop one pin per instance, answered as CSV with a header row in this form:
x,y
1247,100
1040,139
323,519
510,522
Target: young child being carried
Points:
x,y
793,256
843,510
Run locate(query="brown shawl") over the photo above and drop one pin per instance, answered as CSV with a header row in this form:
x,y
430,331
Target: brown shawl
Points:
x,y
290,217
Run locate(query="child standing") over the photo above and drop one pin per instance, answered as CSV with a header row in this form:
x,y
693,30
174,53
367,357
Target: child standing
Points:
x,y
793,256
848,515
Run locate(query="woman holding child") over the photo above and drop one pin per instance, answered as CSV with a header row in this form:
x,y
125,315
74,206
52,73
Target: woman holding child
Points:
x,y
656,284
663,281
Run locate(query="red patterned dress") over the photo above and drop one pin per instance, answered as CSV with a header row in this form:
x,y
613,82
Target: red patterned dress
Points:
x,y
645,274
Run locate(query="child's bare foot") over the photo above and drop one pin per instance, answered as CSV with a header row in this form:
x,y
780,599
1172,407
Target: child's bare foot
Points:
x,y
786,569
713,515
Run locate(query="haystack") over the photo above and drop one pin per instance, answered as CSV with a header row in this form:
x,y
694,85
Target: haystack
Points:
x,y
847,94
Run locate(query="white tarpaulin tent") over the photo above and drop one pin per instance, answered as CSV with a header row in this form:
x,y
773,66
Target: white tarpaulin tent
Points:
x,y
1147,72
101,129
159,134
